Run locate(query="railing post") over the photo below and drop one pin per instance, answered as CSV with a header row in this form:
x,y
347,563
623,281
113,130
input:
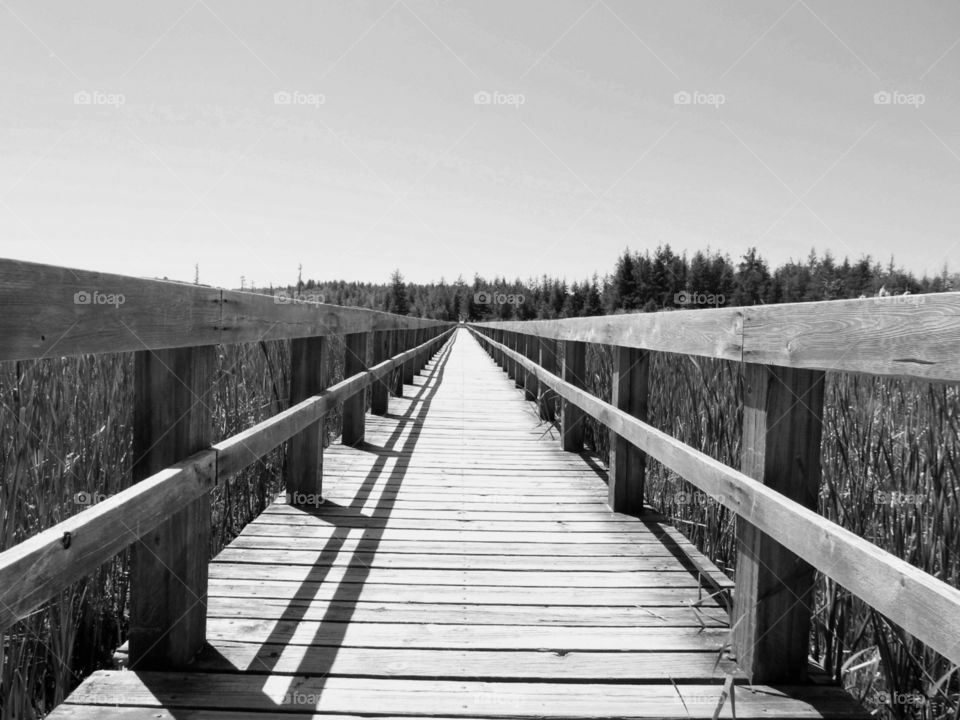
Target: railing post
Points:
x,y
631,370
410,337
172,419
354,407
531,347
571,417
305,449
397,342
379,390
548,361
782,424
519,373
508,340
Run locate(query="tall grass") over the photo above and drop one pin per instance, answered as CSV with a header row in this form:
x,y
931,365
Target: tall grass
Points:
x,y
66,441
891,473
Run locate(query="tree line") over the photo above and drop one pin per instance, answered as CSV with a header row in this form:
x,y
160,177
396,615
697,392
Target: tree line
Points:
x,y
644,281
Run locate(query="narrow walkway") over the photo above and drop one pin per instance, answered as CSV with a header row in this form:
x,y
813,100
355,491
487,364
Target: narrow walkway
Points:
x,y
462,565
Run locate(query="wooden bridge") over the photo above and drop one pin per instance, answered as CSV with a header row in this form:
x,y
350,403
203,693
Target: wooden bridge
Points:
x,y
456,554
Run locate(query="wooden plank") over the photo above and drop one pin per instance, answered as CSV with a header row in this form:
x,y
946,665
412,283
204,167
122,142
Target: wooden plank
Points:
x,y
380,391
782,421
35,570
461,613
627,466
530,350
548,360
913,336
638,667
458,698
355,406
571,417
924,606
305,450
172,419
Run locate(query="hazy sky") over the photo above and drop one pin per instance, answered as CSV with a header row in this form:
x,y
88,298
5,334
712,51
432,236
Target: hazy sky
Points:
x,y
384,158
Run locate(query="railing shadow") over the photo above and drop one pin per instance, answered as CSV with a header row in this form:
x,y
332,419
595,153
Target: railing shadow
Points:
x,y
317,660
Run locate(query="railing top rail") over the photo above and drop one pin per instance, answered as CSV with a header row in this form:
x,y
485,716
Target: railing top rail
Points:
x,y
52,311
914,336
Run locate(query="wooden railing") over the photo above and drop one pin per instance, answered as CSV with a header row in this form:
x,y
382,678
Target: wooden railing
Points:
x,y
172,329
785,350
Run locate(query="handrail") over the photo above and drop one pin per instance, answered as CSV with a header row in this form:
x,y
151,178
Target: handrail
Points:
x,y
924,606
32,571
56,311
914,336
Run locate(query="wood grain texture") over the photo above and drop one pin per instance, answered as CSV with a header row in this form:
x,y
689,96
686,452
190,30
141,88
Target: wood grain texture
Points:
x,y
305,450
355,406
573,371
57,311
172,419
627,466
782,422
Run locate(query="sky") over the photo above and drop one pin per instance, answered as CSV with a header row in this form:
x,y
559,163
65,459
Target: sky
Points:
x,y
514,138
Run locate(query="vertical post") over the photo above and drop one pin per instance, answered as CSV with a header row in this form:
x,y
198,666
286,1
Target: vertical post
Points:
x,y
571,417
172,419
379,390
355,406
530,346
305,449
397,341
519,373
511,365
548,361
408,369
631,371
782,427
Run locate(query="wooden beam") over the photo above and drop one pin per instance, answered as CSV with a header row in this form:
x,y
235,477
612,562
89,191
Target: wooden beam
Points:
x,y
172,419
571,416
380,391
36,569
58,311
782,421
355,407
531,351
409,371
305,451
549,362
627,465
397,346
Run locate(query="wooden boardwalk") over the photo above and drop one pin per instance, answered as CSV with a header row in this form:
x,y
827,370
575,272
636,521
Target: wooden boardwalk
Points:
x,y
462,565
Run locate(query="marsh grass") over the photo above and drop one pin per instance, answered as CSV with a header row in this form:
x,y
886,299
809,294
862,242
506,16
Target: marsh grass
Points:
x,y
65,429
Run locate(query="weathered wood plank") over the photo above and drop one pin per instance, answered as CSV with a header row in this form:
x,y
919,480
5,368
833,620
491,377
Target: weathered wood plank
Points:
x,y
172,419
